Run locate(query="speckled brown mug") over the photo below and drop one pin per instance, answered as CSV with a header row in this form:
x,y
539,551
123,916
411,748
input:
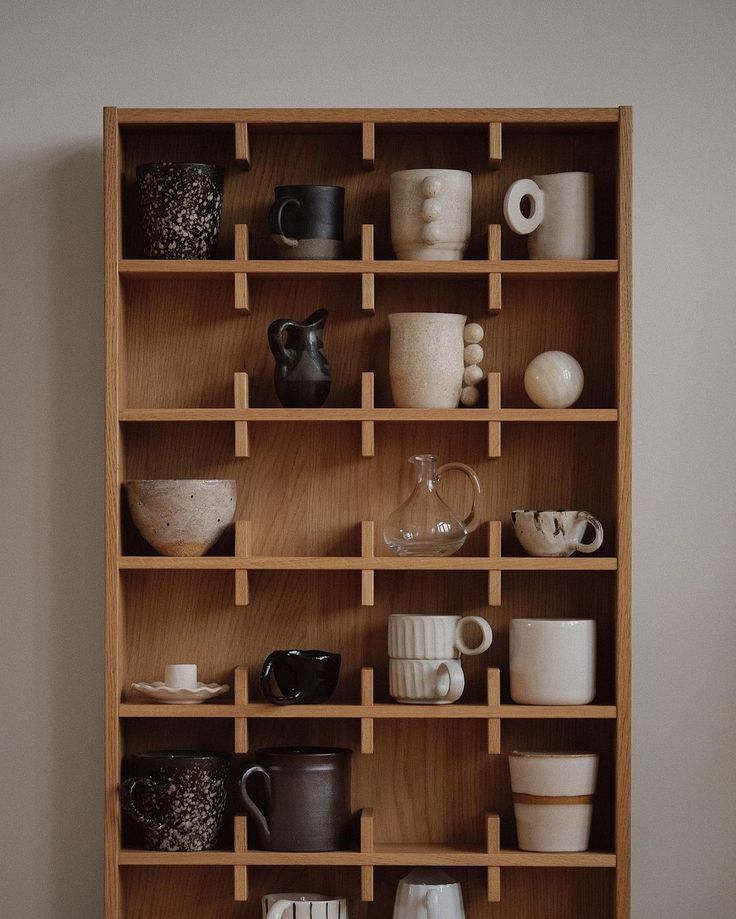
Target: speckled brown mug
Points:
x,y
178,796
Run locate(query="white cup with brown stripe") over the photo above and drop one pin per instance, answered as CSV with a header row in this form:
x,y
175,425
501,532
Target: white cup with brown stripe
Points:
x,y
553,799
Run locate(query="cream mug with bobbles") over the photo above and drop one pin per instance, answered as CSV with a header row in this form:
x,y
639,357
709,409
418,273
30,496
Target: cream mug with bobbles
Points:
x,y
430,213
435,637
303,906
556,534
560,225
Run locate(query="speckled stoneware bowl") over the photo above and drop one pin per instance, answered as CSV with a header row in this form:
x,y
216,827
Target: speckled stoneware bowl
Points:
x,y
182,517
180,207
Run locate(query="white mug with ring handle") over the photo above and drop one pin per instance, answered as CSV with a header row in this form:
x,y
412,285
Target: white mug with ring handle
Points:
x,y
560,225
556,534
427,682
435,637
303,906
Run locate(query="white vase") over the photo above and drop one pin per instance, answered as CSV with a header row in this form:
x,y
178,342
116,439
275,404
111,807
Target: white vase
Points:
x,y
430,213
426,359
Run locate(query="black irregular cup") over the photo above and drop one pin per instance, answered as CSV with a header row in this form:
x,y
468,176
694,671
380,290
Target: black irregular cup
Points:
x,y
180,206
300,677
306,221
179,798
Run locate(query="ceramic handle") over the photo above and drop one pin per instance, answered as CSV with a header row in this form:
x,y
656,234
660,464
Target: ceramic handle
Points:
x,y
452,671
276,341
251,807
470,521
486,639
131,808
598,539
266,683
523,188
275,216
278,909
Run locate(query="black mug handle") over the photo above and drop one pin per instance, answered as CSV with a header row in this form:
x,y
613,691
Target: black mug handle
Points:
x,y
266,674
275,217
132,809
252,808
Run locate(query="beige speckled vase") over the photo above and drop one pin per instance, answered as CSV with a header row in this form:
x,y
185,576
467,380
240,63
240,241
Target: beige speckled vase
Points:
x,y
426,359
430,213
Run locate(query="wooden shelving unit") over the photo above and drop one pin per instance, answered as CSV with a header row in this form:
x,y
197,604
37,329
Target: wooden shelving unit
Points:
x,y
190,395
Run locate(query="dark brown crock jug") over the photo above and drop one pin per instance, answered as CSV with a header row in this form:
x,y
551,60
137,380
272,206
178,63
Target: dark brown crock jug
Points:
x,y
307,798
302,375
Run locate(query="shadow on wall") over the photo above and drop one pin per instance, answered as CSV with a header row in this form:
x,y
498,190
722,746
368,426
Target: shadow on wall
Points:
x,y
75,519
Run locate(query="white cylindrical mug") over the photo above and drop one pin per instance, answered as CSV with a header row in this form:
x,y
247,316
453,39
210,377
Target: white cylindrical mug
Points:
x,y
435,637
303,906
553,799
426,363
552,661
426,682
430,213
561,222
181,676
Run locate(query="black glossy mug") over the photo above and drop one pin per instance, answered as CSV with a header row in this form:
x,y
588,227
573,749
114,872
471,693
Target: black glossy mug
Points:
x,y
300,677
306,221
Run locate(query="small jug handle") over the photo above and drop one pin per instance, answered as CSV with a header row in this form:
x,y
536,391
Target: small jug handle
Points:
x,y
276,340
251,807
470,521
597,539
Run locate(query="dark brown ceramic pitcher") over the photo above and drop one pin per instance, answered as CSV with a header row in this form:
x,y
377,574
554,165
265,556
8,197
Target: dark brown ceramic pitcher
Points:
x,y
307,798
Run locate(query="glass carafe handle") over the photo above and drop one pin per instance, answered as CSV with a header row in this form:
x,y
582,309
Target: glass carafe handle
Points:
x,y
470,522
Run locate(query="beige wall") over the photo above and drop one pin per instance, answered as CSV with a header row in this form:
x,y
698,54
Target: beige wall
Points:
x,y
674,61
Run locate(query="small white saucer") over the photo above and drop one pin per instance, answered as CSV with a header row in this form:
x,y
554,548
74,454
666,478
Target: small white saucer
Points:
x,y
163,693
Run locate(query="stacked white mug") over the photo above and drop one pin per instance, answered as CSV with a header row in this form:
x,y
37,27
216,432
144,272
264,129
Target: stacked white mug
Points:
x,y
424,652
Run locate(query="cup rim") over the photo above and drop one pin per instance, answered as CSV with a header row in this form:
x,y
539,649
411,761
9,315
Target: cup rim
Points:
x,y
531,510
551,620
553,754
158,164
302,751
174,755
187,482
425,314
300,897
425,169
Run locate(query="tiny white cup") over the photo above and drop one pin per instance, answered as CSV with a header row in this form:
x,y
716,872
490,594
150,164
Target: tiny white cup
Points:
x,y
428,637
552,661
428,682
181,676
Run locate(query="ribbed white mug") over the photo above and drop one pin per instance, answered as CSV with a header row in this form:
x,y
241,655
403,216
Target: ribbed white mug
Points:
x,y
415,637
552,661
428,682
303,906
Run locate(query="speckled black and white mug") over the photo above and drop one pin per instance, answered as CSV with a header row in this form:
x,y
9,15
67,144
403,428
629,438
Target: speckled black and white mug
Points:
x,y
180,207
179,798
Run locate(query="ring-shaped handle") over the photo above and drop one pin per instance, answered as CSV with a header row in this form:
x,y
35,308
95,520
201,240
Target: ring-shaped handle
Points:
x,y
275,218
597,540
278,909
470,522
251,807
523,188
268,680
486,635
450,681
132,809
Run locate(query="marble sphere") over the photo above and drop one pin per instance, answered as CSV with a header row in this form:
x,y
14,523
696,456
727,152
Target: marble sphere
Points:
x,y
554,379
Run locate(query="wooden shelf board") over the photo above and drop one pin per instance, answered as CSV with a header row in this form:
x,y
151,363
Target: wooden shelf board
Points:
x,y
283,268
383,855
356,563
442,117
289,415
393,711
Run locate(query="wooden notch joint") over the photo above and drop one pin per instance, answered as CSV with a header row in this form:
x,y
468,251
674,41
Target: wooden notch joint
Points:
x,y
369,145
367,428
242,145
366,724
241,400
493,688
494,144
242,550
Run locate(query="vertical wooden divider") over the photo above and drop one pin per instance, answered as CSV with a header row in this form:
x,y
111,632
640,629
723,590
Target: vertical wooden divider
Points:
x,y
242,439
367,576
493,845
366,698
369,145
494,427
494,278
494,700
368,295
242,300
367,401
494,551
494,144
366,845
242,550
242,145
240,840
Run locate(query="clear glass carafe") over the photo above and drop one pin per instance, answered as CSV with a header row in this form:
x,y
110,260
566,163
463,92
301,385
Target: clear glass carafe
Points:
x,y
424,525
